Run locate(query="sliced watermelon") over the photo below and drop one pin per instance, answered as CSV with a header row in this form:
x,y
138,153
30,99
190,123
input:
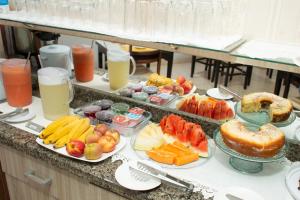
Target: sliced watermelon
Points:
x,y
203,148
163,122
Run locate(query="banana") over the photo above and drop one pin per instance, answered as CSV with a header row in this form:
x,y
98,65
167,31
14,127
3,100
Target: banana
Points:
x,y
61,142
86,133
51,128
62,131
78,130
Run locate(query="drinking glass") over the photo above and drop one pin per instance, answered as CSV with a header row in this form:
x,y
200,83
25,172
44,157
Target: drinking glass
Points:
x,y
116,15
86,11
183,17
160,18
130,17
203,19
101,15
143,17
20,5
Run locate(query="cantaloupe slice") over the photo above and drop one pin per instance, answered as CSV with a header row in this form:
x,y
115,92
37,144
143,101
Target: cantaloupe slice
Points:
x,y
162,156
186,159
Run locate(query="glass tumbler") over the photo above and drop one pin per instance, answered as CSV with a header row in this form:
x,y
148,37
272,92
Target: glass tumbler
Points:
x,y
143,17
116,15
101,15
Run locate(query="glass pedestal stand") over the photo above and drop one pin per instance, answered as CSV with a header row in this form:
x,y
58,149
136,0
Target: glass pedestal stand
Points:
x,y
242,163
245,166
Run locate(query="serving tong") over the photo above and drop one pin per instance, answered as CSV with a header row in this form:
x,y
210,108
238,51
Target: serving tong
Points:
x,y
16,112
142,172
226,90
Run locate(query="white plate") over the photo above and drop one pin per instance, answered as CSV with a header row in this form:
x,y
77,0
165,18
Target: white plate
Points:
x,y
142,155
125,179
63,150
240,192
24,117
215,93
292,180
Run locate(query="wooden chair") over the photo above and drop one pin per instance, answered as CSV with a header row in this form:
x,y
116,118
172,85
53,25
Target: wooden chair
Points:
x,y
207,62
288,79
145,56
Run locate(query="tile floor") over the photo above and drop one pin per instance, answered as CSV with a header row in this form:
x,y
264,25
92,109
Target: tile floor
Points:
x,y
260,82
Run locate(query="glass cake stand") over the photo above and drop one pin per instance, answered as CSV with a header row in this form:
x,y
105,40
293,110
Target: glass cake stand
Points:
x,y
243,163
261,118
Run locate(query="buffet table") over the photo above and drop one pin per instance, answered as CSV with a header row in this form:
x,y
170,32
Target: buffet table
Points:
x,y
210,177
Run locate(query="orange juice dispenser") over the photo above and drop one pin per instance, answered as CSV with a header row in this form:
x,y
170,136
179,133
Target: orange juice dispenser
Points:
x,y
16,75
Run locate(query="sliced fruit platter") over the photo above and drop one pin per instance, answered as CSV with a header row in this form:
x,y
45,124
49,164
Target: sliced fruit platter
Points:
x,y
174,143
206,107
74,137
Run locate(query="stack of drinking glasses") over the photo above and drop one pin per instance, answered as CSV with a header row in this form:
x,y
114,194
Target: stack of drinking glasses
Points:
x,y
176,21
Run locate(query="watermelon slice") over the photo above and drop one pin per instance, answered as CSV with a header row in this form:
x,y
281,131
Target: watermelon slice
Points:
x,y
203,148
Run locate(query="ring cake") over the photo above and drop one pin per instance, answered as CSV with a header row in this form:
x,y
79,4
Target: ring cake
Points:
x,y
279,108
265,142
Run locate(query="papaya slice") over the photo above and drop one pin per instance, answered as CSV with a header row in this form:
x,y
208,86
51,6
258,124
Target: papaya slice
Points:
x,y
186,159
171,148
162,156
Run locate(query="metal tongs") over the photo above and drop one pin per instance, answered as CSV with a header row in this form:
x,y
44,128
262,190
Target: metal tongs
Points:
x,y
226,90
156,173
18,111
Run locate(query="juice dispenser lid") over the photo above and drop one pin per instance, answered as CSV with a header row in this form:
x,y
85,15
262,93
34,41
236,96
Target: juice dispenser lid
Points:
x,y
55,49
52,75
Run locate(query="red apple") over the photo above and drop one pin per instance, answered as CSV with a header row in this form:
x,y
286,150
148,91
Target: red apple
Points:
x,y
180,80
100,129
187,86
107,143
75,148
113,133
93,138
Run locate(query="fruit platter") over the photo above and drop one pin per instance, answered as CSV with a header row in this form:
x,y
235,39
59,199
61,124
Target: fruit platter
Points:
x,y
174,143
206,107
74,137
118,116
158,90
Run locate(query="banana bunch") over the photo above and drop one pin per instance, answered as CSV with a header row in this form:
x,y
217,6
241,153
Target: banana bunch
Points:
x,y
65,129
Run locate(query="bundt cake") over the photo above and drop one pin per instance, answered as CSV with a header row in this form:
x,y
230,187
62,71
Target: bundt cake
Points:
x,y
265,142
279,108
